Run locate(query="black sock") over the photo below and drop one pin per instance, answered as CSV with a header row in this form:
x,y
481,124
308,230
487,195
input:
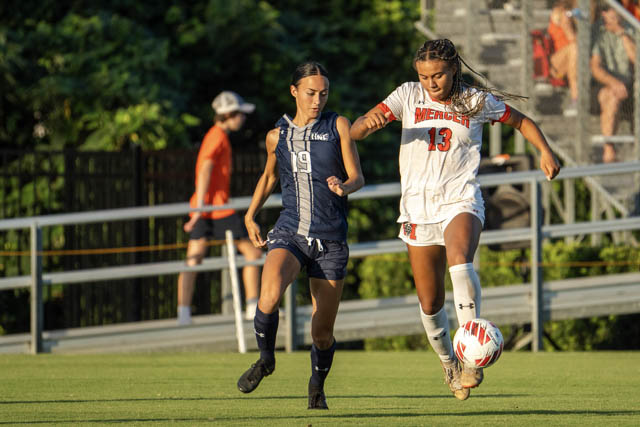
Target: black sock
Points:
x,y
321,363
265,327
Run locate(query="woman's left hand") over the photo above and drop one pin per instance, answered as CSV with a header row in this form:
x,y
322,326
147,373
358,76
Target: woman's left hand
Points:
x,y
335,185
549,165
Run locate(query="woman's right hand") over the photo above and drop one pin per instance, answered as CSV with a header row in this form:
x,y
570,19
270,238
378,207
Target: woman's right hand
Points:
x,y
375,120
188,226
253,229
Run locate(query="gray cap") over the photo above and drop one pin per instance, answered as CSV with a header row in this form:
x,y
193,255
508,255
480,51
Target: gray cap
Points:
x,y
228,102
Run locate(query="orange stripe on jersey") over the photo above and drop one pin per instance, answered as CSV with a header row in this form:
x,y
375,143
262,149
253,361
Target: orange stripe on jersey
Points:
x,y
505,116
386,110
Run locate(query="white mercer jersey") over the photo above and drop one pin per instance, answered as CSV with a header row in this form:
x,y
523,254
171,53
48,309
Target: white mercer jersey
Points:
x,y
439,151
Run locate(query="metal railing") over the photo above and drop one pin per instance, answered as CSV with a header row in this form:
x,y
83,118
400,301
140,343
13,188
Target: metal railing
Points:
x,y
536,233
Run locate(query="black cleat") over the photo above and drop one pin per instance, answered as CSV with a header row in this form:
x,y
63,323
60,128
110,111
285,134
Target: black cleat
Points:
x,y
252,377
317,399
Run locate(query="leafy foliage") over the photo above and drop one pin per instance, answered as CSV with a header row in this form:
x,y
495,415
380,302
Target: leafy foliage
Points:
x,y
98,81
601,333
105,75
109,75
499,268
387,275
390,275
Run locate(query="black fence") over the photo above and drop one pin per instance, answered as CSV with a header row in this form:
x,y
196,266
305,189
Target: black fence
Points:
x,y
50,182
36,182
41,183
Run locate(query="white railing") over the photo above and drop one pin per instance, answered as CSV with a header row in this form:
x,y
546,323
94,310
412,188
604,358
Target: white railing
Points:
x,y
535,234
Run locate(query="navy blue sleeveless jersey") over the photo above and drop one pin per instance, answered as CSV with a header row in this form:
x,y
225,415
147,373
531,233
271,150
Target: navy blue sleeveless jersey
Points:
x,y
307,156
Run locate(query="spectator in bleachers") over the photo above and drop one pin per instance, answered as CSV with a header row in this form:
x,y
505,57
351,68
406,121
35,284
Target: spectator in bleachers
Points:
x,y
612,59
633,6
564,59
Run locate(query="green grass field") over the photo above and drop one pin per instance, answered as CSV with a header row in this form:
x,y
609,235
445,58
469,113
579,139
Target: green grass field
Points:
x,y
377,388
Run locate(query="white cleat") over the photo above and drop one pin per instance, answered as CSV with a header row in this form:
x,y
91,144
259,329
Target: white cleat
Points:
x,y
471,377
452,374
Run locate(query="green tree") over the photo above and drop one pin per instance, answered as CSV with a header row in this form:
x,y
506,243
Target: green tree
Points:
x,y
103,75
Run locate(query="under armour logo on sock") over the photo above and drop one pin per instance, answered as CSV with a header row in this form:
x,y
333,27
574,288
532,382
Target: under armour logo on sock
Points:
x,y
260,334
321,369
470,305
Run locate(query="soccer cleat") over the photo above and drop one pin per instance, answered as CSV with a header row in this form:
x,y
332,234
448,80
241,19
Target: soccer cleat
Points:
x,y
317,399
252,377
452,373
471,377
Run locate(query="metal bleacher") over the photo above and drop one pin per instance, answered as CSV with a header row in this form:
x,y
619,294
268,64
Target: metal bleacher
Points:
x,y
357,319
491,37
517,304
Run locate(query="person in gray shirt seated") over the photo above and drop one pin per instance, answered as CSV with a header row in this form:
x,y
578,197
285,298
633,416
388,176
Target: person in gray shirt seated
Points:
x,y
612,59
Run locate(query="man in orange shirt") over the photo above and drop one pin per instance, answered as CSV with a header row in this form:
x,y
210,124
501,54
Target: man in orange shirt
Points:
x,y
213,172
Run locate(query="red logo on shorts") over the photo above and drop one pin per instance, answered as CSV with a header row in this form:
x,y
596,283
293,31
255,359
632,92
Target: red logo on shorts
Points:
x,y
409,230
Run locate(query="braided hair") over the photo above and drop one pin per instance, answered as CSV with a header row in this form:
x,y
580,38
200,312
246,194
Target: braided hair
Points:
x,y
461,100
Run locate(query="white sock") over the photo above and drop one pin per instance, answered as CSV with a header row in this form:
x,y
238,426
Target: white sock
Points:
x,y
437,328
184,315
250,308
467,293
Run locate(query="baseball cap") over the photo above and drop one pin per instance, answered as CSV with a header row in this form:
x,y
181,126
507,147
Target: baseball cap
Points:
x,y
228,102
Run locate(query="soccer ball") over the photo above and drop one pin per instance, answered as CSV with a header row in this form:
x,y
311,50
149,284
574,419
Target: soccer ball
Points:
x,y
478,343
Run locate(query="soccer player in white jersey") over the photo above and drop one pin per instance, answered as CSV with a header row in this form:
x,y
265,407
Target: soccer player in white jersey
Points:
x,y
441,208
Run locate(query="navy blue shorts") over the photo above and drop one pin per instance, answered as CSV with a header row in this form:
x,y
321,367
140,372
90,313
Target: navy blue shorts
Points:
x,y
214,229
324,259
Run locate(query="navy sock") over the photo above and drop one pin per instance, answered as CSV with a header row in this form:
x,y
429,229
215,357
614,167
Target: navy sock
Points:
x,y
321,361
265,327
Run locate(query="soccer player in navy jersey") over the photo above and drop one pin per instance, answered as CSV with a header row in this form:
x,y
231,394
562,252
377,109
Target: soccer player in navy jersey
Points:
x,y
318,166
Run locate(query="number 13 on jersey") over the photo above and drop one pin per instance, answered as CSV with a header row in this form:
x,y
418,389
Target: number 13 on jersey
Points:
x,y
301,161
444,144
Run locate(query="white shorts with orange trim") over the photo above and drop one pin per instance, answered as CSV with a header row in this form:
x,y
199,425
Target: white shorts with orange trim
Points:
x,y
433,234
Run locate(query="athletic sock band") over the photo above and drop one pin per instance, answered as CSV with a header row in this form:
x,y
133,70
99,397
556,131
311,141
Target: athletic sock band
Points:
x,y
437,328
266,327
467,293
